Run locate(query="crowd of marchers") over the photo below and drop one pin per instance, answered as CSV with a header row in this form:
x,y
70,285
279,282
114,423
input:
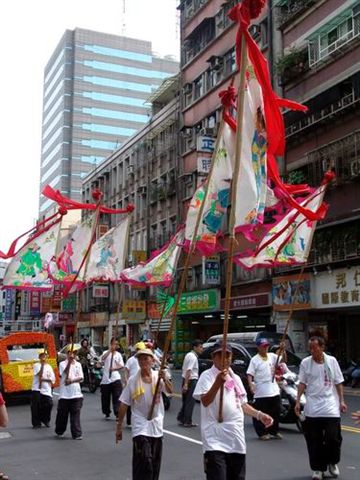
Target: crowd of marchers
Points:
x,y
134,391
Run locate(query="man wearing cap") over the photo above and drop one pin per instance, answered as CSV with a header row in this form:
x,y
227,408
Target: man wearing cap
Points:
x,y
70,397
131,368
41,395
265,389
190,375
224,442
111,386
147,434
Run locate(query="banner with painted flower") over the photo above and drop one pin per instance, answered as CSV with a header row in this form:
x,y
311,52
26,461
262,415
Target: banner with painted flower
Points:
x,y
159,270
214,193
107,256
64,268
289,241
28,269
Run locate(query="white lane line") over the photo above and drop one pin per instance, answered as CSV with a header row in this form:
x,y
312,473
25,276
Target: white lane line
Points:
x,y
183,437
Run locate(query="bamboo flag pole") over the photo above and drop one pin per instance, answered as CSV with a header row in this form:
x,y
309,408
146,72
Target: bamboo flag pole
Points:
x,y
236,169
185,271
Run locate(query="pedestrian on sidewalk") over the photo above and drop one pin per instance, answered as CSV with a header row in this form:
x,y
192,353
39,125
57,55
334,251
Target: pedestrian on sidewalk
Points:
x,y
224,443
111,386
70,397
41,392
131,368
147,434
321,379
262,384
190,375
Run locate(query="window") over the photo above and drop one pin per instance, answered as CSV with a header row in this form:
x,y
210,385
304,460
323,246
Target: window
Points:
x,y
230,62
198,87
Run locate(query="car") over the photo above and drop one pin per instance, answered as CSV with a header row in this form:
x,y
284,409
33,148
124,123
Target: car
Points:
x,y
242,355
249,338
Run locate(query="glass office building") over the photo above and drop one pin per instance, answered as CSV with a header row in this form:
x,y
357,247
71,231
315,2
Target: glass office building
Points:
x,y
95,89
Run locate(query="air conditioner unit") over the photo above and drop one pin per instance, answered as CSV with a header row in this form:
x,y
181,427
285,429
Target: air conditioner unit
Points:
x,y
186,132
188,178
355,168
142,190
130,169
218,63
188,88
255,31
207,132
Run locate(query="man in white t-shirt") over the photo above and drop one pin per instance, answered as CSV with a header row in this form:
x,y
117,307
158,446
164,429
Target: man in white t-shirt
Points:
x,y
70,397
321,379
147,434
41,396
190,375
111,386
262,384
132,368
224,443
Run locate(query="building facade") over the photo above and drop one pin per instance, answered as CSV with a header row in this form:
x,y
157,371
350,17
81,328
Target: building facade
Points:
x,y
95,91
142,172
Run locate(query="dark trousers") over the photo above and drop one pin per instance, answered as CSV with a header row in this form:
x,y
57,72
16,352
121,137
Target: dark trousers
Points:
x,y
271,406
110,391
128,416
65,407
188,403
146,461
224,466
41,406
323,440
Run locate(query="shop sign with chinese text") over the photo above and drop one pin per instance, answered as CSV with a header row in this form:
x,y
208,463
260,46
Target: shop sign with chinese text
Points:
x,y
100,291
341,288
199,302
134,310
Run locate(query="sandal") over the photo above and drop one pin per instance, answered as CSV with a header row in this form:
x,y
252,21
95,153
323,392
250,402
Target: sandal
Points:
x,y
3,476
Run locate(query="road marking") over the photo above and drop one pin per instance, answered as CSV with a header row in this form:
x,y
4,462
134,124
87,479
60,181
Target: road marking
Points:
x,y
347,428
189,439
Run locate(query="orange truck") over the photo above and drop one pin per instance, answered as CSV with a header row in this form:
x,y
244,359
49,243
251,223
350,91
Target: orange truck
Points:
x,y
18,353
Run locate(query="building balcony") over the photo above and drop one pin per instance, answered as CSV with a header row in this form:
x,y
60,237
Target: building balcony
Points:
x,y
292,66
289,10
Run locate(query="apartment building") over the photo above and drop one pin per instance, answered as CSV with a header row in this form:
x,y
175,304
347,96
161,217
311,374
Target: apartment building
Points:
x,y
142,172
208,65
319,65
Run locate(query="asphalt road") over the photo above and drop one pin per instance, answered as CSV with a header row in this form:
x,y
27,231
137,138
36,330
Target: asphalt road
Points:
x,y
27,454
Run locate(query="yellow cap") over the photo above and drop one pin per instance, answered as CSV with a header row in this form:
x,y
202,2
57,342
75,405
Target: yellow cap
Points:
x,y
140,346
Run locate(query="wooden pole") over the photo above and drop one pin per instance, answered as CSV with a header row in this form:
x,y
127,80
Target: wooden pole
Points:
x,y
232,219
185,272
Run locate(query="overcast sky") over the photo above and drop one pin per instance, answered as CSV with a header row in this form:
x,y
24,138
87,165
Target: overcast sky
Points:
x,y
29,32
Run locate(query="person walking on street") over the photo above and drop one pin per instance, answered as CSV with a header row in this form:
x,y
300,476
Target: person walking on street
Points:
x,y
321,379
41,394
147,434
265,389
190,375
224,443
111,386
132,368
70,397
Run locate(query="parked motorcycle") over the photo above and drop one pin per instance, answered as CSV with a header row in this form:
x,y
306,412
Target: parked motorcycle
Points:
x,y
93,372
347,371
288,393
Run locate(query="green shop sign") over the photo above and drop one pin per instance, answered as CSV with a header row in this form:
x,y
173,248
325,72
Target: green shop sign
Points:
x,y
198,302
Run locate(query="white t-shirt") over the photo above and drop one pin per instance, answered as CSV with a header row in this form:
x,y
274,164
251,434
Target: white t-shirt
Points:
x,y
48,374
132,365
263,372
228,436
73,390
322,399
140,407
117,362
191,363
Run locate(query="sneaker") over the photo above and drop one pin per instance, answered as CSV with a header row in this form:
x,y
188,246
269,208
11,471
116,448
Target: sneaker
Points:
x,y
128,426
277,436
317,475
59,435
36,426
107,416
47,425
334,470
265,437
78,438
189,425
